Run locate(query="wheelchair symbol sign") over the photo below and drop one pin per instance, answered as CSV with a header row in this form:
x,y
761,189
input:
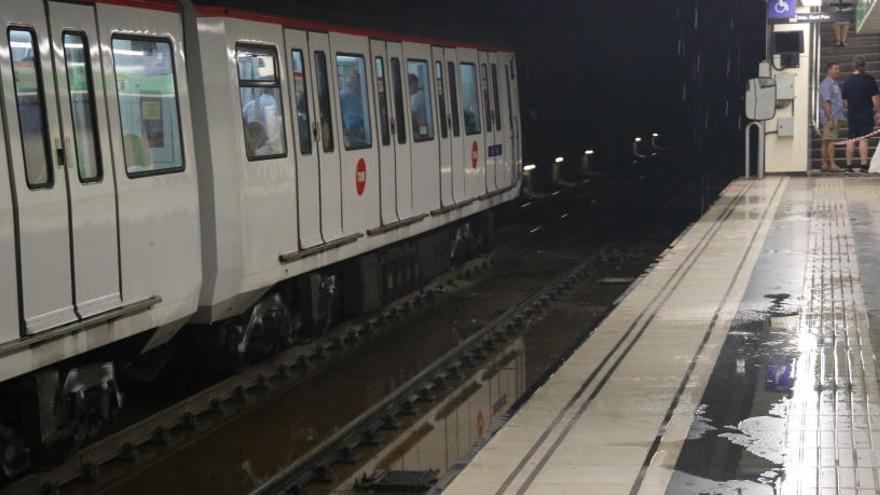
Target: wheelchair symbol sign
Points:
x,y
781,9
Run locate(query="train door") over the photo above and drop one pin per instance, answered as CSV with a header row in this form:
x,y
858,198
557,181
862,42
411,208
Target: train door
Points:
x,y
455,128
305,136
383,118
499,103
328,156
423,128
38,171
444,122
358,157
400,130
91,183
489,132
9,321
472,119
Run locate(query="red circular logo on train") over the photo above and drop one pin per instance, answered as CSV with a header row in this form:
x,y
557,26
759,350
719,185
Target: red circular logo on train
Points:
x,y
360,177
475,155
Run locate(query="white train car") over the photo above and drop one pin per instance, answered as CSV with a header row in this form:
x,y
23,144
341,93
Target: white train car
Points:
x,y
258,176
319,144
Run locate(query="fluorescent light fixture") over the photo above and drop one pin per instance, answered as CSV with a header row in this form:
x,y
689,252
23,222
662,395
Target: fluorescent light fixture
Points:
x,y
559,159
589,152
655,135
529,167
638,140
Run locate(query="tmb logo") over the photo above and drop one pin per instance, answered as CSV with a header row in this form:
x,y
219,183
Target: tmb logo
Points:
x,y
360,177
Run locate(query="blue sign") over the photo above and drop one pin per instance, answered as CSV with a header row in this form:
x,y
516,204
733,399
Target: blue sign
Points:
x,y
495,150
781,9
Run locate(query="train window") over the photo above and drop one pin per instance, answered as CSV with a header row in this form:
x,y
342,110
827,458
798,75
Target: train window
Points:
x,y
453,99
82,106
382,101
147,93
323,91
470,99
441,99
301,100
419,85
509,96
496,98
351,72
397,86
31,107
487,103
262,112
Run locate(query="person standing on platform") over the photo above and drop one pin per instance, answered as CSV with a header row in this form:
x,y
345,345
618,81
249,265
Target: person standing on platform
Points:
x,y
830,115
860,95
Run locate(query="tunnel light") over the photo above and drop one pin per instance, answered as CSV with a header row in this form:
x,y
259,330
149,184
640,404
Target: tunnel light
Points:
x,y
655,135
589,152
559,159
529,167
638,140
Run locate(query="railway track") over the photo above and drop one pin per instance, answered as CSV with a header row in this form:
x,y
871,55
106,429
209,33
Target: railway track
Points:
x,y
151,439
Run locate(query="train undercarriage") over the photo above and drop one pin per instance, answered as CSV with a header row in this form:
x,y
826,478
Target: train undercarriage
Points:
x,y
49,414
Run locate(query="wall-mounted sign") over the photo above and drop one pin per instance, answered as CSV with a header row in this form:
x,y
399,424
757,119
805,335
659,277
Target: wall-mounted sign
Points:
x,y
812,17
781,9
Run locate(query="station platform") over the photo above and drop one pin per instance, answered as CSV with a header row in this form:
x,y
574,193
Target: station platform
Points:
x,y
743,362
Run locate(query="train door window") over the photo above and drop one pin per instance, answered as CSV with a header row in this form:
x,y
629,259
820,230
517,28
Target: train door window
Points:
x,y
147,93
351,71
301,99
453,99
419,85
496,98
513,70
382,102
31,108
262,112
470,99
323,90
82,106
398,100
509,97
487,103
441,100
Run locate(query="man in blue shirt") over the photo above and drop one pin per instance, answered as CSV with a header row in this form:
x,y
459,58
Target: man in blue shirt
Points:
x,y
862,104
830,115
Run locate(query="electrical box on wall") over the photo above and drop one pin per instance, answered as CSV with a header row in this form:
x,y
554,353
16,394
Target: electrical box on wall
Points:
x,y
785,127
785,85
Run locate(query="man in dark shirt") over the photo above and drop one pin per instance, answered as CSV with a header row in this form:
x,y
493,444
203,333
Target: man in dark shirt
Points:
x,y
860,93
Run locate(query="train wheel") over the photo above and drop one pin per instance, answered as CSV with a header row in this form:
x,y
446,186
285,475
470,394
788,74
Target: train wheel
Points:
x,y
14,456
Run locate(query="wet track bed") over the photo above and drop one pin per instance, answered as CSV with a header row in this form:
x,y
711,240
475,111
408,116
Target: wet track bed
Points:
x,y
546,239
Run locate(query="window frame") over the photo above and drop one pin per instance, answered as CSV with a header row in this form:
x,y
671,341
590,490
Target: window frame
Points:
x,y
440,91
328,81
399,110
495,97
365,96
486,94
47,145
476,81
384,125
99,156
452,74
263,84
165,39
295,108
509,97
429,97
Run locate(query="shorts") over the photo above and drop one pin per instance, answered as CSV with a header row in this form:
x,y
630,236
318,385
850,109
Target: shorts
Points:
x,y
847,10
831,132
860,126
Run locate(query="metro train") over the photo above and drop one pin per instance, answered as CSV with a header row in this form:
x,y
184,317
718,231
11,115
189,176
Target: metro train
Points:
x,y
249,176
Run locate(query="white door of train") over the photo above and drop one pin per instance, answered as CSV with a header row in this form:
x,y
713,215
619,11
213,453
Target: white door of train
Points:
x,y
502,118
444,124
91,183
382,119
305,137
473,122
328,154
38,173
423,128
453,97
400,130
489,130
358,157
